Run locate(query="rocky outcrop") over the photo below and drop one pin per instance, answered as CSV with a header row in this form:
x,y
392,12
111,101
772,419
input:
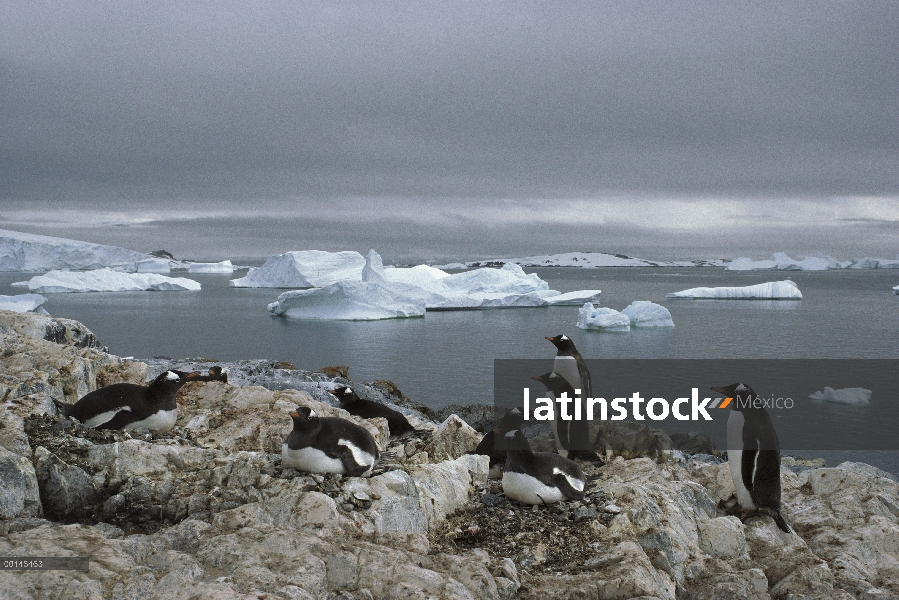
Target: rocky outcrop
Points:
x,y
208,511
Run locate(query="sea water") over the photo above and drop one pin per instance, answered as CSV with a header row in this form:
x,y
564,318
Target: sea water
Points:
x,y
447,357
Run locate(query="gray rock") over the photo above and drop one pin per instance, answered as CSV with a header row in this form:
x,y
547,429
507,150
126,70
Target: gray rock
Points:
x,y
19,491
693,442
67,492
629,440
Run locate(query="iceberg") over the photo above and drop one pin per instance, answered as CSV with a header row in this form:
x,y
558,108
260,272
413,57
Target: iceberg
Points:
x,y
772,290
304,269
348,301
603,319
574,298
106,280
220,267
644,313
31,253
875,263
854,395
153,265
589,260
781,262
896,290
23,303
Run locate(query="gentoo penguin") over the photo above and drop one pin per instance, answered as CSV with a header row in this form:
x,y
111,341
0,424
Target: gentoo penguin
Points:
x,y
493,444
328,445
369,409
215,374
753,453
130,406
541,477
572,437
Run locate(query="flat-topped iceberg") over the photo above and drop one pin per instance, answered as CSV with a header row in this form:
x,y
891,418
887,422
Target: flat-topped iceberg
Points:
x,y
590,260
304,269
348,301
772,290
602,318
854,395
220,267
153,265
644,313
781,262
875,263
106,280
23,303
40,253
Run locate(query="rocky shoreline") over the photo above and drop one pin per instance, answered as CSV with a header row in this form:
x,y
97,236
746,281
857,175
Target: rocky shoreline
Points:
x,y
207,510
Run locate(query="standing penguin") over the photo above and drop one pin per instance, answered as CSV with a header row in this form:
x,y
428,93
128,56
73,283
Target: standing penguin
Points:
x,y
753,453
572,437
328,445
539,477
369,409
130,406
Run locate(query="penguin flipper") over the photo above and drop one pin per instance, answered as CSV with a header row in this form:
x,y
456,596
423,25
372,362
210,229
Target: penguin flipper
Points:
x,y
121,419
564,485
747,466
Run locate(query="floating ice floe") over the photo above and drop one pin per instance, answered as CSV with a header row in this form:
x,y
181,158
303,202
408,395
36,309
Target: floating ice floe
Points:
x,y
772,290
644,313
781,262
220,267
602,318
153,265
304,269
106,280
854,395
590,260
23,303
40,253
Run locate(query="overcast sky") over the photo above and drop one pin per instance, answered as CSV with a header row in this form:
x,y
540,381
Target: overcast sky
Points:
x,y
614,126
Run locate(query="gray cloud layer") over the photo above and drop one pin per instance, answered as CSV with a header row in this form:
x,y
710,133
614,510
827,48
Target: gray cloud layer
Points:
x,y
106,105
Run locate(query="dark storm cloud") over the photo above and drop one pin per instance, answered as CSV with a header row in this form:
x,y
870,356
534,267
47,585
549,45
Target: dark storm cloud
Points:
x,y
111,103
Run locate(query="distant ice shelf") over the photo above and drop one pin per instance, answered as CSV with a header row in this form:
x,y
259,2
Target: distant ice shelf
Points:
x,y
220,267
105,280
32,253
854,395
772,290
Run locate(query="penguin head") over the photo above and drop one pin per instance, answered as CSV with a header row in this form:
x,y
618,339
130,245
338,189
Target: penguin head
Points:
x,y
511,420
303,417
515,440
173,378
563,343
345,394
554,383
217,374
741,394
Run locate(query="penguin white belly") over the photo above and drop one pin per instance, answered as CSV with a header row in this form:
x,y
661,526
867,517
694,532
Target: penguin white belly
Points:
x,y
158,422
530,490
311,460
104,417
735,457
566,366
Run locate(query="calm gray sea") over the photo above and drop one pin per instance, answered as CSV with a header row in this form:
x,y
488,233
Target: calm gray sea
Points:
x,y
447,357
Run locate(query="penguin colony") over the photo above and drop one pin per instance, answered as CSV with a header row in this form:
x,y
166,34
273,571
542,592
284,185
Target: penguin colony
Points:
x,y
334,445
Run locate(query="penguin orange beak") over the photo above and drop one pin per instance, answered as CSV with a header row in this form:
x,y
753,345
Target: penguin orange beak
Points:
x,y
295,415
497,432
192,375
548,339
535,377
719,390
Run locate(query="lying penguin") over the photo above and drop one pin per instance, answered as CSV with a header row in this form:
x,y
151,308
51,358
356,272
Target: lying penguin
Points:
x,y
753,453
215,374
539,477
369,409
328,445
129,406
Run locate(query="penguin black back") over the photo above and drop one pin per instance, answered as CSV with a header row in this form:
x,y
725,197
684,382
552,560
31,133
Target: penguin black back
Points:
x,y
573,436
369,409
753,452
541,477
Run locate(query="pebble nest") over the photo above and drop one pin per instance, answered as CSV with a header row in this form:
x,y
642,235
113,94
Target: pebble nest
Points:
x,y
540,539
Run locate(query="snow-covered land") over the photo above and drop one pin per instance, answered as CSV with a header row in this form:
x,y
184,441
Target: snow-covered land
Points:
x,y
644,313
602,318
592,260
220,267
854,395
781,262
153,265
40,253
304,269
106,280
772,290
23,303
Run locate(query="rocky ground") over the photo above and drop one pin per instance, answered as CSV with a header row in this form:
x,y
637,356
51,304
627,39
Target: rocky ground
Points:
x,y
207,511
